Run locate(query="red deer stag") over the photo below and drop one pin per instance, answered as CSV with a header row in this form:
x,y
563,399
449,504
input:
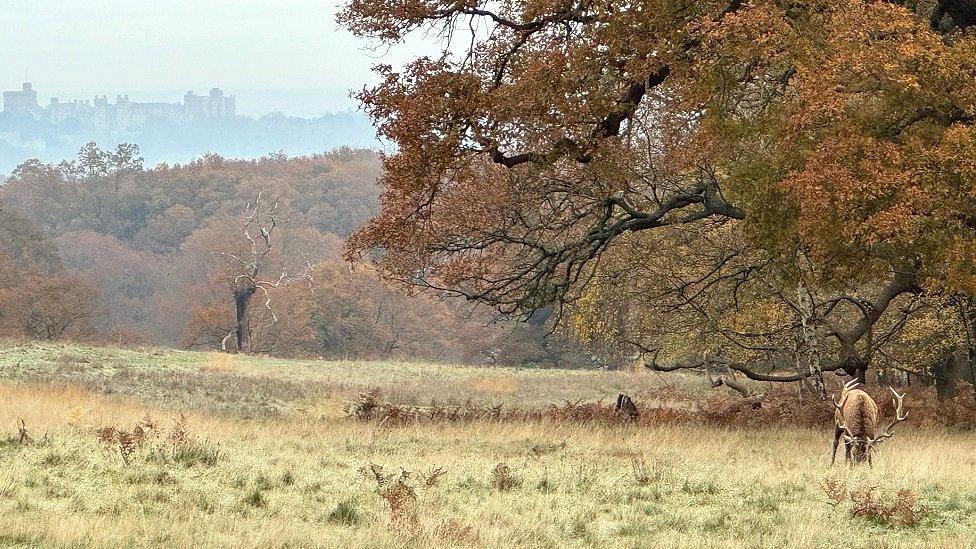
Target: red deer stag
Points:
x,y
856,415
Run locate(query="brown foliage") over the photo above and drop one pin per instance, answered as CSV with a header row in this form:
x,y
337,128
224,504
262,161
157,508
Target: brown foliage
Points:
x,y
369,407
524,158
399,495
47,306
180,432
127,441
867,502
144,245
402,501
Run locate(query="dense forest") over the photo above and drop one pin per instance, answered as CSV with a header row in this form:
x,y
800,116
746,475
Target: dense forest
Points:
x,y
102,248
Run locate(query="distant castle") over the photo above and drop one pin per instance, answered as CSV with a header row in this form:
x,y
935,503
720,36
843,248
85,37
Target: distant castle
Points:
x,y
100,115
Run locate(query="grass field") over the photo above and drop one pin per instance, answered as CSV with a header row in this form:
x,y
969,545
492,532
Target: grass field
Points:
x,y
265,458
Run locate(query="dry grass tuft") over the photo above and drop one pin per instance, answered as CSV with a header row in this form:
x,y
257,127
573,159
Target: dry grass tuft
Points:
x,y
638,467
222,363
180,433
454,531
494,385
344,513
255,498
76,415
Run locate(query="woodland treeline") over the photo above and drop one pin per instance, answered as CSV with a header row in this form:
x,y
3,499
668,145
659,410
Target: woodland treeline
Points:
x,y
101,248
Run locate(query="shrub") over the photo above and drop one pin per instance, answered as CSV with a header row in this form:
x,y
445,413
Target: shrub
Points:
x,y
399,495
365,406
836,491
127,446
181,430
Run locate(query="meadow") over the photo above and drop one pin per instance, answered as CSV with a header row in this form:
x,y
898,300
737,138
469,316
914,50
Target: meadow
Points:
x,y
154,448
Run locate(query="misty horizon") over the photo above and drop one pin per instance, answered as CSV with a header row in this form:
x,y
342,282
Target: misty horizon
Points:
x,y
253,102
291,57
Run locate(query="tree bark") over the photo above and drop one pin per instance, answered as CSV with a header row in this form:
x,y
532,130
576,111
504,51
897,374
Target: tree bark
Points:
x,y
241,298
808,325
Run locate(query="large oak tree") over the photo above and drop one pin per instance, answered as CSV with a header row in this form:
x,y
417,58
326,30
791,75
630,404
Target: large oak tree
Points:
x,y
553,136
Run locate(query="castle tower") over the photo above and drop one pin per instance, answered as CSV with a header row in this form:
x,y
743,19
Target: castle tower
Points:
x,y
23,101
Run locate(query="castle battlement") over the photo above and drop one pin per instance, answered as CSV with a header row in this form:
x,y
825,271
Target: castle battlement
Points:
x,y
101,115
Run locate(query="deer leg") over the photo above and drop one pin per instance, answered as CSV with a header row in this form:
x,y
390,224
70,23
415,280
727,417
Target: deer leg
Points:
x,y
837,433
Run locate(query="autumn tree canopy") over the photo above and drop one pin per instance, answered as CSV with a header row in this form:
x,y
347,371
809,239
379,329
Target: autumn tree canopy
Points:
x,y
830,142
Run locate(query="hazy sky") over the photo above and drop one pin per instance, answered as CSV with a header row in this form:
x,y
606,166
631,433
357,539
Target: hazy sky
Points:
x,y
78,47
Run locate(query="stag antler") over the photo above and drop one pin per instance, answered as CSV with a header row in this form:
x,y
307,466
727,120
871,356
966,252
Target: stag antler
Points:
x,y
839,406
840,410
900,416
851,384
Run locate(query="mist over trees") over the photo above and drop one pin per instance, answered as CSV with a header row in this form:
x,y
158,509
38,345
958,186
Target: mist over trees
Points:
x,y
22,136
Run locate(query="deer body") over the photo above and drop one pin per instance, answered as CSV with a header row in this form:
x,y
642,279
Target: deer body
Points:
x,y
856,417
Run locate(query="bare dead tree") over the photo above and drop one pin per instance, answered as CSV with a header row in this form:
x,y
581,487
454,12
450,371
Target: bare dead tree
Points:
x,y
250,274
